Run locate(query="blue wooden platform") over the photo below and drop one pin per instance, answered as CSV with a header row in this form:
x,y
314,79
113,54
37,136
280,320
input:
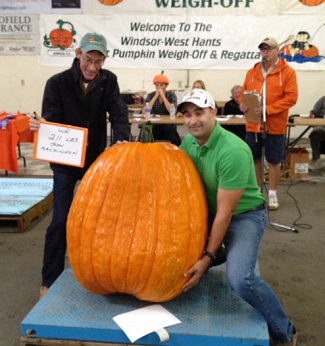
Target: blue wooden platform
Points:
x,y
22,200
211,314
20,194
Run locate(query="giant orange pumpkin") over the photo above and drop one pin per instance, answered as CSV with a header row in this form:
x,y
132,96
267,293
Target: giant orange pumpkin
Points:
x,y
138,222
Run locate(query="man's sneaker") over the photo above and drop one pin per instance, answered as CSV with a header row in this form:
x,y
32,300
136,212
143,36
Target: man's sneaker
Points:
x,y
315,165
273,202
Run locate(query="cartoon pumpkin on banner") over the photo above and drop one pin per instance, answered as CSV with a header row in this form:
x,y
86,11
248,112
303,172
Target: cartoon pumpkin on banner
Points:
x,y
138,222
312,2
110,2
299,44
60,37
299,49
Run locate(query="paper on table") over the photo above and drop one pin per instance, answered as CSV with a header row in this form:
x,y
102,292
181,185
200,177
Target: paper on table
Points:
x,y
140,322
222,119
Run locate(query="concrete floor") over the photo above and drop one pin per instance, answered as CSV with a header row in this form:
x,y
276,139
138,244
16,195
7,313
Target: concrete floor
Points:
x,y
292,263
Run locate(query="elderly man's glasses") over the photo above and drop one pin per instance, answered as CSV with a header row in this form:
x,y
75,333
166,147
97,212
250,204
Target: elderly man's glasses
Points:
x,y
266,49
88,61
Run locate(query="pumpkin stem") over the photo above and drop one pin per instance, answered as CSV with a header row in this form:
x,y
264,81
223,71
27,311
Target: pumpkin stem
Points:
x,y
145,135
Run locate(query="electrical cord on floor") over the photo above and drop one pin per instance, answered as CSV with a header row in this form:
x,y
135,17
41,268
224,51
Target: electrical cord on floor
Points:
x,y
285,176
283,228
295,223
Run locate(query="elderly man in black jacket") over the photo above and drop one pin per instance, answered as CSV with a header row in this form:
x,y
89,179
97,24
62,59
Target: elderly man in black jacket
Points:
x,y
80,96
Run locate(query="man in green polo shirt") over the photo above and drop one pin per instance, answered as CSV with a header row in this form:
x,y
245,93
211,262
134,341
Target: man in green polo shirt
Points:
x,y
236,210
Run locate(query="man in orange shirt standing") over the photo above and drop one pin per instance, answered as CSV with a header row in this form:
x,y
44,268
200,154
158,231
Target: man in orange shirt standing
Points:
x,y
281,93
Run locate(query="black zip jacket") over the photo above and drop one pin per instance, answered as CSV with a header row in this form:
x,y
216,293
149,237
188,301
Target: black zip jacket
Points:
x,y
66,102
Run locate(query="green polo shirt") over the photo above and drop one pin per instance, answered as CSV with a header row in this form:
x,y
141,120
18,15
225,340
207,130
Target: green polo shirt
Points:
x,y
225,161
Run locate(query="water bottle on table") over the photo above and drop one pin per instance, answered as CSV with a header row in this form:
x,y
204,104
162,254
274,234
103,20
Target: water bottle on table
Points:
x,y
172,112
147,110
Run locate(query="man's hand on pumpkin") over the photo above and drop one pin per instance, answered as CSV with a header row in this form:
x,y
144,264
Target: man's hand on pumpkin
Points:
x,y
196,272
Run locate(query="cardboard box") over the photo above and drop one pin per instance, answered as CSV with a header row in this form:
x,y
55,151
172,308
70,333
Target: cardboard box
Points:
x,y
296,163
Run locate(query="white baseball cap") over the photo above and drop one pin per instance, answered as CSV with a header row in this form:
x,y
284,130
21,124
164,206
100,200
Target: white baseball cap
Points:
x,y
199,97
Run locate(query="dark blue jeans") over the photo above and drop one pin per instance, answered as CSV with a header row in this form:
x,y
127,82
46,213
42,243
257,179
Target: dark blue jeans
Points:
x,y
55,239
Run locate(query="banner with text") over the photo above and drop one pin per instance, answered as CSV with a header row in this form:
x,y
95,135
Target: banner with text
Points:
x,y
183,7
19,34
206,7
164,7
186,42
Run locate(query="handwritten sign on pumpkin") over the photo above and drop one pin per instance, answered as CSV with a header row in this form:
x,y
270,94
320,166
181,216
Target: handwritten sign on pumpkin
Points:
x,y
63,144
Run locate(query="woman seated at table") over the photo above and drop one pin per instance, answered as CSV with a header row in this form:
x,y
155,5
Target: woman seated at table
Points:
x,y
199,84
160,102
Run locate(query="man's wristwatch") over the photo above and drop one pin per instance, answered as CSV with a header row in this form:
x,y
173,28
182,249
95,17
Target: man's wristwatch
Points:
x,y
213,256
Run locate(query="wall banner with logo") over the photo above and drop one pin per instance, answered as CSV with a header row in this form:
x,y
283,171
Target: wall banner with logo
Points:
x,y
186,42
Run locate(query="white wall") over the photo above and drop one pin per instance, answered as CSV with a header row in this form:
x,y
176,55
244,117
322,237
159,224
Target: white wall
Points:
x,y
23,79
